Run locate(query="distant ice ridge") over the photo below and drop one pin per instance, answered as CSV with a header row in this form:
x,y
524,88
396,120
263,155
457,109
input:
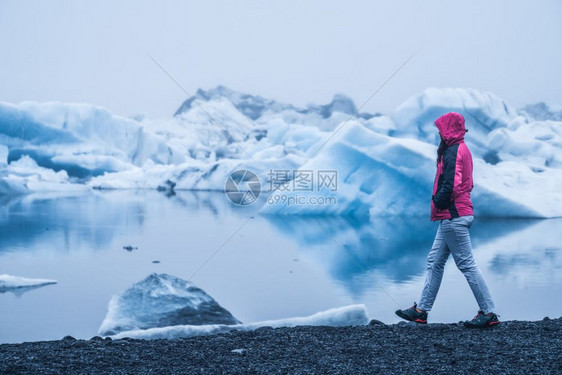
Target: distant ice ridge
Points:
x,y
162,300
18,285
255,106
384,162
542,112
352,315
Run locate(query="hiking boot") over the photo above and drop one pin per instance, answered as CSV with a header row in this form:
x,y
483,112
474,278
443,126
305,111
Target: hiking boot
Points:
x,y
413,315
482,320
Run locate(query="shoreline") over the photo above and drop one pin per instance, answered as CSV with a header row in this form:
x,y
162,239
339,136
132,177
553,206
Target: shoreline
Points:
x,y
512,347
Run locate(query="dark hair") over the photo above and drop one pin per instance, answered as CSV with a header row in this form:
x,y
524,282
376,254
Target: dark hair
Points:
x,y
441,150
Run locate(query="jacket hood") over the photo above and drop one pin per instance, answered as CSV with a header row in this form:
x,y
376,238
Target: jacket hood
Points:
x,y
451,127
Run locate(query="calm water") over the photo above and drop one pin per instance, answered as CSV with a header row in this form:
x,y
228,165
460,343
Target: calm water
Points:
x,y
274,267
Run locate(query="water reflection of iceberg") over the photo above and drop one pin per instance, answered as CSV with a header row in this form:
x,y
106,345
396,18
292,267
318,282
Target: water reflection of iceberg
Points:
x,y
532,253
94,218
86,218
392,248
215,202
19,285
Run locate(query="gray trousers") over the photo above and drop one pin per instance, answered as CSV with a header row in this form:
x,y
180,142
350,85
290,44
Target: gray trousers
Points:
x,y
452,237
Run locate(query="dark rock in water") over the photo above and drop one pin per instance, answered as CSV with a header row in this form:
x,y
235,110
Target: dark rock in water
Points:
x,y
168,188
162,300
130,248
156,261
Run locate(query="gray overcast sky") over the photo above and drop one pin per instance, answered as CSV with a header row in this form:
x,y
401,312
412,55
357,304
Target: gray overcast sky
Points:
x,y
293,51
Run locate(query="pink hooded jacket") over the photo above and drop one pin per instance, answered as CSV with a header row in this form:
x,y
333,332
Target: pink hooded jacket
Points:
x,y
453,180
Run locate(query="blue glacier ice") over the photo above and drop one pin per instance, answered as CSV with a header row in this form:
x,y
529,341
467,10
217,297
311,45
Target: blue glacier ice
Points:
x,y
384,162
162,300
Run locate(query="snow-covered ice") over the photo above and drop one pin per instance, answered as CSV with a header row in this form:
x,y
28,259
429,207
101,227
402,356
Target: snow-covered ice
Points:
x,y
17,284
385,163
351,315
164,306
162,300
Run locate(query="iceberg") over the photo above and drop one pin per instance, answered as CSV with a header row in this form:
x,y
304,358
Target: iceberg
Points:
x,y
24,176
164,306
352,315
483,112
3,155
18,285
384,163
537,144
81,139
379,175
162,300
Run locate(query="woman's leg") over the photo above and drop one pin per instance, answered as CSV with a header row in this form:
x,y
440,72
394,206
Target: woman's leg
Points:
x,y
457,237
435,265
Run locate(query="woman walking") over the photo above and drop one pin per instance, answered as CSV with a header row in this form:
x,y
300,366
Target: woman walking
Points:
x,y
451,205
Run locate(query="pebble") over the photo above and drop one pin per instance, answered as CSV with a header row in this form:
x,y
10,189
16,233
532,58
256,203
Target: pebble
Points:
x,y
512,348
239,351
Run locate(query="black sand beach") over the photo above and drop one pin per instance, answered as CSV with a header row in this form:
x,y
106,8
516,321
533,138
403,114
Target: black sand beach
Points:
x,y
515,347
